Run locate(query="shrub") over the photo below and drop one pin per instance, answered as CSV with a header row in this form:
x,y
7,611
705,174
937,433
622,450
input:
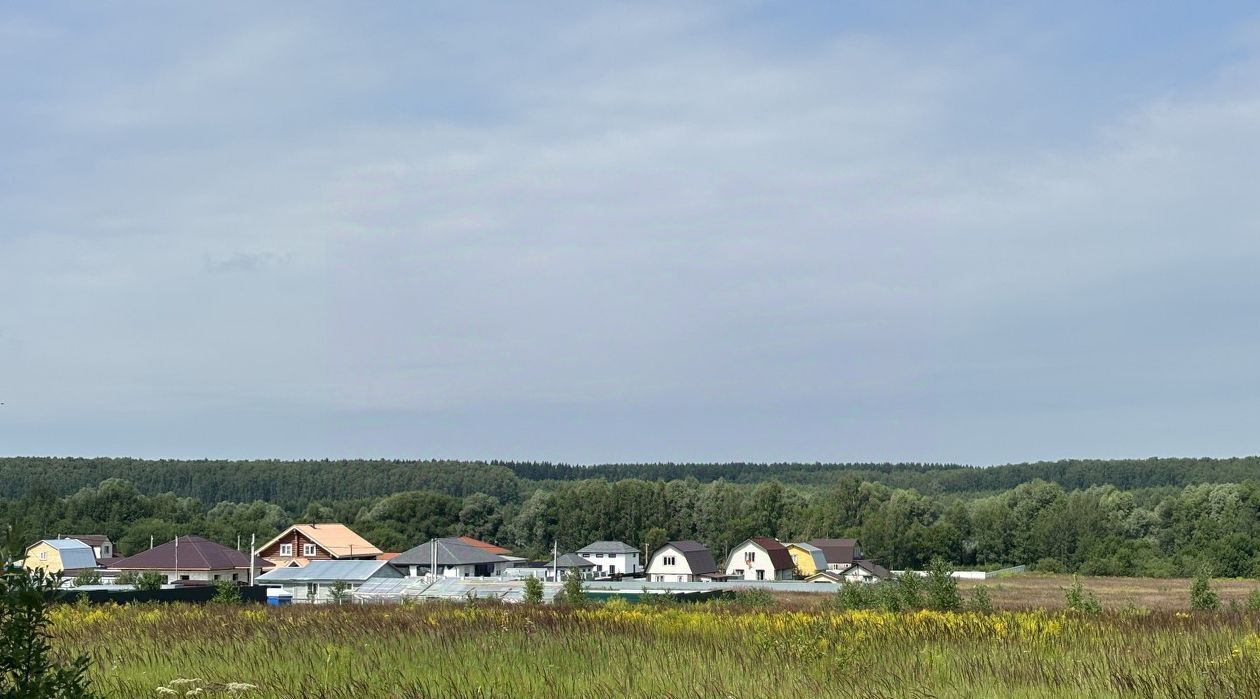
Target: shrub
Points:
x,y
87,577
888,597
1202,597
339,592
149,580
26,666
980,601
533,590
853,595
1253,600
910,587
574,592
1081,600
226,592
754,598
1049,565
941,588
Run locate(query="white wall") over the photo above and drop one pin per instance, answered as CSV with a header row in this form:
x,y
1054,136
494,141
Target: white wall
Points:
x,y
205,575
608,563
738,565
659,571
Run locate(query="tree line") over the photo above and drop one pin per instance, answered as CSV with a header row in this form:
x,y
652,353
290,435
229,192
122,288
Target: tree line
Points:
x,y
1166,531
294,484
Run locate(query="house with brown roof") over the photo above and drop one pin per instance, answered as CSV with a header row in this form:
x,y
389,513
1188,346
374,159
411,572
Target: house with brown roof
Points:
x,y
839,553
302,543
761,558
192,558
682,561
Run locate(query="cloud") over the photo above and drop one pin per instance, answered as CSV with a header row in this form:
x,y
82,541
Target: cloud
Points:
x,y
661,233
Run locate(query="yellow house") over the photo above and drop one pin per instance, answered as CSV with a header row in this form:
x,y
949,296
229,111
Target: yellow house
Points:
x,y
809,559
57,555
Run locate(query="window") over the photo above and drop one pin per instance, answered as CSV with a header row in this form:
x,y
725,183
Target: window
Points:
x,y
761,574
308,549
750,557
183,577
286,549
235,577
216,576
43,555
668,560
312,589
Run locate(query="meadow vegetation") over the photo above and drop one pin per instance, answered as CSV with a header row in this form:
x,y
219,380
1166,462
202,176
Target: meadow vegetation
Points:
x,y
757,649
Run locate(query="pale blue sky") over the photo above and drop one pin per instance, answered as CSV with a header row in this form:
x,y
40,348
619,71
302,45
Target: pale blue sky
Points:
x,y
611,232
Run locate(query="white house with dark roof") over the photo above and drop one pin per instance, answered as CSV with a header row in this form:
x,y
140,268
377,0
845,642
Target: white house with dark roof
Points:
x,y
761,558
682,561
612,557
454,559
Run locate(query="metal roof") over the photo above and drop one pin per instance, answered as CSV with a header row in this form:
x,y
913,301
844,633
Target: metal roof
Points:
x,y
615,547
75,554
347,570
699,558
450,552
572,560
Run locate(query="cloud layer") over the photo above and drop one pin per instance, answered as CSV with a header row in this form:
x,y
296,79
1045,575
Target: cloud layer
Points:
x,y
611,233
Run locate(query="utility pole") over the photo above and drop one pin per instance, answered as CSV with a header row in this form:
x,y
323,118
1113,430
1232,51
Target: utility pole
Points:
x,y
251,560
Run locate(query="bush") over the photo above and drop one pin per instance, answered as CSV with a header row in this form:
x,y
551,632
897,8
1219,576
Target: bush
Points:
x,y
533,590
573,593
26,666
910,588
339,592
1202,597
1049,565
888,596
1253,600
754,598
980,601
226,592
87,577
941,588
1081,600
853,595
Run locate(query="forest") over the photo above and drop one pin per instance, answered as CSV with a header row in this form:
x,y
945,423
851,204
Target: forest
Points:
x,y
1157,517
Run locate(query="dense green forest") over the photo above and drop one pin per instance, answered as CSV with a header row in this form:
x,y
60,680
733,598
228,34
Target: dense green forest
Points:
x,y
1158,517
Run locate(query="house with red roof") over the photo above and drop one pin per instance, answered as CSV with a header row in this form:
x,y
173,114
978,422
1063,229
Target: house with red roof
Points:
x,y
761,558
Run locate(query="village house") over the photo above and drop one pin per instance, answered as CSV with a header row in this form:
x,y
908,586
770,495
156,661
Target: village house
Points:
x,y
302,543
761,558
572,564
807,558
192,558
612,557
864,571
455,559
839,553
102,547
682,561
316,581
64,557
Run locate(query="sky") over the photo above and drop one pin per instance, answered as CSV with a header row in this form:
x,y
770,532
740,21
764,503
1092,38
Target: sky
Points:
x,y
585,232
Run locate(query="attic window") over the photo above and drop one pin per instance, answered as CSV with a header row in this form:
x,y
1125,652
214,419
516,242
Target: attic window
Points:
x,y
286,549
668,560
308,549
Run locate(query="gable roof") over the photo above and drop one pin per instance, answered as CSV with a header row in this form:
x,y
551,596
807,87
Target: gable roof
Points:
x,y
699,558
780,558
837,550
194,553
74,554
485,546
346,570
613,547
871,567
335,538
89,539
450,552
825,576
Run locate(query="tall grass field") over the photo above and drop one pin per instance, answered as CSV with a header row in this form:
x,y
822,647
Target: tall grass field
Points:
x,y
615,650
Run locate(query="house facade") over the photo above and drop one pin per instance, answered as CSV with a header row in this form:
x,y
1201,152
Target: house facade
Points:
x,y
807,558
193,559
317,581
761,558
59,556
612,557
864,571
839,553
302,543
682,561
